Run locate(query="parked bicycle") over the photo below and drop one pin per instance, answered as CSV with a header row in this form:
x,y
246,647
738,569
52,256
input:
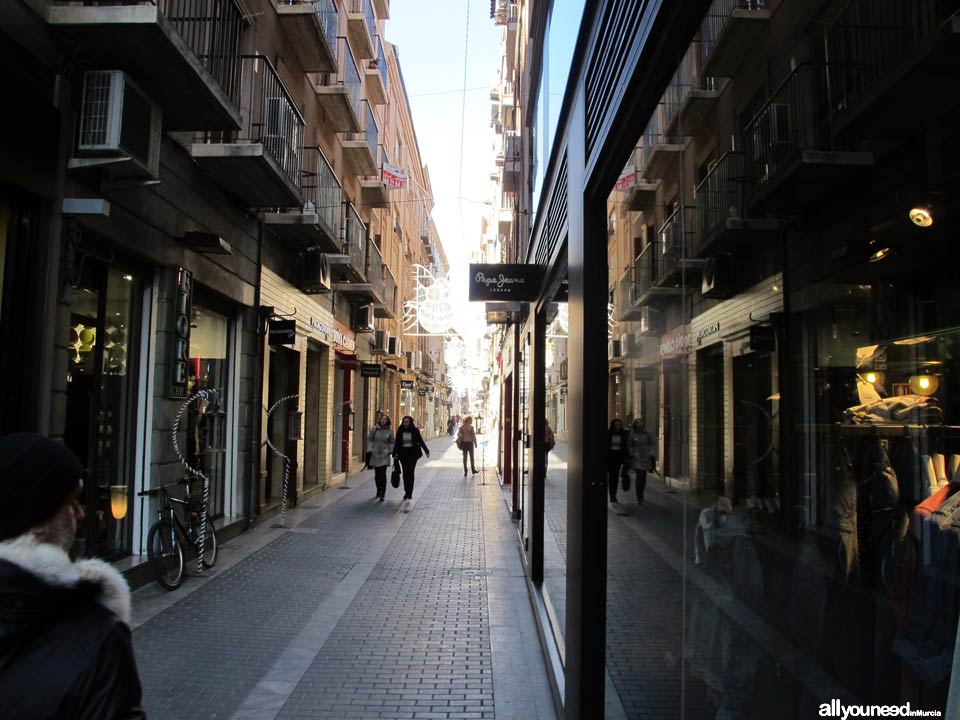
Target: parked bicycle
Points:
x,y
171,533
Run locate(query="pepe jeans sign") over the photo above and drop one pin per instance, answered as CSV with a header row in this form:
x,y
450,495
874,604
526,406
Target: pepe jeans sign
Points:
x,y
504,282
334,334
180,353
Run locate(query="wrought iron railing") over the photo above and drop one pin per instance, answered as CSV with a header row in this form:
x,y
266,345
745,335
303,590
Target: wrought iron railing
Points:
x,y
425,225
374,267
717,18
355,238
628,292
368,130
871,37
644,271
687,78
389,289
720,195
793,119
653,136
675,242
366,7
381,61
322,192
347,75
426,365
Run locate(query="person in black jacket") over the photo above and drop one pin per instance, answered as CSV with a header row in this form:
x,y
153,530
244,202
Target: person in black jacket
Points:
x,y
616,451
409,447
65,648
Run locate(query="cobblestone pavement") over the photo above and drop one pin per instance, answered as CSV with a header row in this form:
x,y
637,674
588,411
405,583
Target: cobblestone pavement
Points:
x,y
362,610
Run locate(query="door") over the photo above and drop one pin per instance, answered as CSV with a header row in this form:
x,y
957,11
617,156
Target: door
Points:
x,y
338,423
100,419
710,419
753,427
284,378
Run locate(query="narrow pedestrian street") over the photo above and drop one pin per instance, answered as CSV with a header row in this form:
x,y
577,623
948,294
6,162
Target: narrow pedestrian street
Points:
x,y
356,609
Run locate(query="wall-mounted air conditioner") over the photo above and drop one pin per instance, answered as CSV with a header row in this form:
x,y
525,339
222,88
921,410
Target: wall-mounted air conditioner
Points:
x,y
395,347
119,126
717,281
650,320
315,272
363,319
381,341
614,349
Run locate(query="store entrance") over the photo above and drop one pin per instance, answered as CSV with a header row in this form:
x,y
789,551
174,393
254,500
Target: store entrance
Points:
x,y
284,378
101,420
753,427
710,426
674,419
313,404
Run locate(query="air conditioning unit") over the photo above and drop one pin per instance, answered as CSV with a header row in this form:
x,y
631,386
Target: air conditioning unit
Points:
x,y
363,319
394,347
381,341
118,121
614,349
315,273
649,322
630,344
717,281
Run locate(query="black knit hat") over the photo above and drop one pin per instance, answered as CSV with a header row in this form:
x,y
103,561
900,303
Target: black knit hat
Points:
x,y
36,476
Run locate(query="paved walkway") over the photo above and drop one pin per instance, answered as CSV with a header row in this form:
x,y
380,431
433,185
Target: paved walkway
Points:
x,y
357,609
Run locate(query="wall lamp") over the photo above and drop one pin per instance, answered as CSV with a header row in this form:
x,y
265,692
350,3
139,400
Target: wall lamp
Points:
x,y
921,216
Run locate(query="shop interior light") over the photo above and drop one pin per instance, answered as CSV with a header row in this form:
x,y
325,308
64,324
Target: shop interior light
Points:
x,y
923,384
921,216
880,254
118,501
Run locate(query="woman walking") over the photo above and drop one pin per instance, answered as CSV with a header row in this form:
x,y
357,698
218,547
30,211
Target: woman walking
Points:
x,y
467,441
408,448
639,457
616,453
380,442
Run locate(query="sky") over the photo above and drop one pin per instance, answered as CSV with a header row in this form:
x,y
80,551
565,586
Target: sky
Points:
x,y
430,36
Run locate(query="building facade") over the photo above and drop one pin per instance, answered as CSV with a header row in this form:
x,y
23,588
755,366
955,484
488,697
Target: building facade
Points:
x,y
203,253
741,212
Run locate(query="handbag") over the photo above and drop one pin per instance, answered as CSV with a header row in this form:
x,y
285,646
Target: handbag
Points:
x,y
367,458
395,475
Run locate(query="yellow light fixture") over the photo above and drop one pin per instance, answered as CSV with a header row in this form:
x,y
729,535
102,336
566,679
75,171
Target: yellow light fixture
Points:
x,y
880,254
118,501
921,216
923,384
871,377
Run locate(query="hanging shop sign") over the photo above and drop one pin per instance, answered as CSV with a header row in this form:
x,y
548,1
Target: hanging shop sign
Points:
x,y
282,332
759,339
504,281
422,392
177,386
406,384
371,370
335,334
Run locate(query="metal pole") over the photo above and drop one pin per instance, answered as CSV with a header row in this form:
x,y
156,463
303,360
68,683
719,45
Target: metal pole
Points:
x,y
286,459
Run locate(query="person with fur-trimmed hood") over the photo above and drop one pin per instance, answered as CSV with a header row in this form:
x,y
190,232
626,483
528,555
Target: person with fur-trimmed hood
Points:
x,y
65,647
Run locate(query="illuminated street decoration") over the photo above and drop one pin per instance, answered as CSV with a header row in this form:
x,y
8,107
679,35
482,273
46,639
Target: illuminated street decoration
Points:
x,y
431,308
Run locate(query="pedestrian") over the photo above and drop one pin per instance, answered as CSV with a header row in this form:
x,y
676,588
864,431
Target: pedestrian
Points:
x,y
639,457
408,448
379,447
616,453
451,426
65,646
467,441
549,442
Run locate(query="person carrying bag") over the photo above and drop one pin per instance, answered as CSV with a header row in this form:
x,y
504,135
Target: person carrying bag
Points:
x,y
380,443
467,441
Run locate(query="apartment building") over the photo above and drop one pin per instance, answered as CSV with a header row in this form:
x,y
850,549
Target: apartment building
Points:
x,y
201,244
742,211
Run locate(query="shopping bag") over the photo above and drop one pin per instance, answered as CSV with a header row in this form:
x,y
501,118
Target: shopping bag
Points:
x,y
367,458
395,475
626,475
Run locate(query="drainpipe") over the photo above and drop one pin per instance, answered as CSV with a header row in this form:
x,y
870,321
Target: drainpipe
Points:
x,y
257,388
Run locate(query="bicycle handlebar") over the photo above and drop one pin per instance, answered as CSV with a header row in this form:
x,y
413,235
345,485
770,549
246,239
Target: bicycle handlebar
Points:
x,y
154,491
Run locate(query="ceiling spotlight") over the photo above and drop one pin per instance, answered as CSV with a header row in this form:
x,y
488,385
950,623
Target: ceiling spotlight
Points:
x,y
921,216
880,254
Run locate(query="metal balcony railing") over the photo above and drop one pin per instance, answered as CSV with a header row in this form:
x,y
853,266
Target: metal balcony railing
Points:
x,y
374,268
322,192
368,130
720,195
347,75
381,61
644,269
717,18
389,289
366,8
513,12
794,119
871,37
686,79
675,243
355,238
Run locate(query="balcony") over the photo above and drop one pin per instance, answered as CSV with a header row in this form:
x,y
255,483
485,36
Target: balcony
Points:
x,y
691,96
339,94
311,26
360,148
659,152
728,28
427,367
792,154
319,223
373,190
196,43
425,225
646,289
630,292
890,61
361,28
382,9
388,291
721,216
499,12
675,263
375,72
259,164
512,164
641,196
505,220
349,267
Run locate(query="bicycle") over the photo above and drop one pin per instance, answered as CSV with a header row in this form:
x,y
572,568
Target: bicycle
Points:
x,y
169,533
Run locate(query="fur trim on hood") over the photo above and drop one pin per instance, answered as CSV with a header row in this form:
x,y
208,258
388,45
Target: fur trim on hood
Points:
x,y
52,565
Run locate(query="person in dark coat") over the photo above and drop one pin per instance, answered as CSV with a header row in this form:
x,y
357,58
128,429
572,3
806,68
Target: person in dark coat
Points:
x,y
616,452
408,448
65,647
380,443
467,441
639,457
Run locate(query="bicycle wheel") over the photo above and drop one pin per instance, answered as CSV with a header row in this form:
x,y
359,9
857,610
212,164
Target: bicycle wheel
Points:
x,y
165,555
209,545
